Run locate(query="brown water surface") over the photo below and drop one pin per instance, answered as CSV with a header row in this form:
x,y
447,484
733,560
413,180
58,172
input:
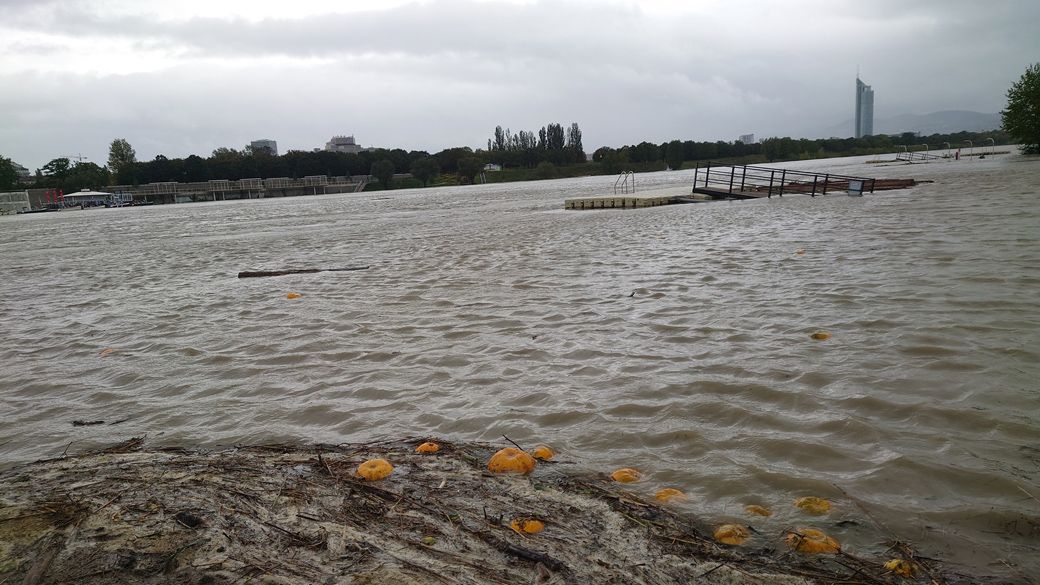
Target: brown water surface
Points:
x,y
675,340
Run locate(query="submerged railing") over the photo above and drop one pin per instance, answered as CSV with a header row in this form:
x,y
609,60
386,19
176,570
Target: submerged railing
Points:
x,y
623,185
751,181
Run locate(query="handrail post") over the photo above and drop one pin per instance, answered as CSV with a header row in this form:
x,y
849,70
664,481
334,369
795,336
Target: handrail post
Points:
x,y
814,179
732,174
743,175
826,178
783,181
772,173
707,173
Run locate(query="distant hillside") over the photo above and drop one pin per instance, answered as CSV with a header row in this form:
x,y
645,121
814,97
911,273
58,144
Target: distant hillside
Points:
x,y
935,123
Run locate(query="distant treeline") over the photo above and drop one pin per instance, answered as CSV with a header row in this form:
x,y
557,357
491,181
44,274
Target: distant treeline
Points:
x,y
676,152
228,163
552,144
530,155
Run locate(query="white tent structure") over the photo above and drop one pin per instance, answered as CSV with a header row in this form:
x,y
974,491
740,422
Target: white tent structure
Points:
x,y
89,198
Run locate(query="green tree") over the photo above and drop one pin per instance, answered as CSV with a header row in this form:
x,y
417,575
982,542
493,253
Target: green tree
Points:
x,y
424,169
673,154
57,169
1021,119
8,176
383,170
470,167
121,159
545,170
85,175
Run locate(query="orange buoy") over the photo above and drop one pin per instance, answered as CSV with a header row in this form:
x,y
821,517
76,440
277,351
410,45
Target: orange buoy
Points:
x,y
758,510
428,447
543,452
293,295
669,494
511,460
813,505
626,475
812,541
731,534
375,469
527,525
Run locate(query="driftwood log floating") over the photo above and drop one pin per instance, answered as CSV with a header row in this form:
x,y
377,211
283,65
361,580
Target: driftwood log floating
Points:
x,y
260,273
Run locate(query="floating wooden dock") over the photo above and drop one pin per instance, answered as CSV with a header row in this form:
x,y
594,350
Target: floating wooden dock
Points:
x,y
755,182
729,182
651,198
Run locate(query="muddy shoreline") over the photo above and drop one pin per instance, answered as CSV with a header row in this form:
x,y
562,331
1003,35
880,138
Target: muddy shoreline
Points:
x,y
298,514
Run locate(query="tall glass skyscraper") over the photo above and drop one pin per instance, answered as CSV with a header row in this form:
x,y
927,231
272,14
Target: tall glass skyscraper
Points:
x,y
864,109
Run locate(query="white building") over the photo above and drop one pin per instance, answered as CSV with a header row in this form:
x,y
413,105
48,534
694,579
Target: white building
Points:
x,y
864,109
343,144
747,138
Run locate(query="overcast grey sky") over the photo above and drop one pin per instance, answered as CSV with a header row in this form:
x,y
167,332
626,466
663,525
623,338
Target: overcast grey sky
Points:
x,y
186,77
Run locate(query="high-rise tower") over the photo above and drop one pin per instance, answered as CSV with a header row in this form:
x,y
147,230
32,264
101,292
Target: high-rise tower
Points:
x,y
864,109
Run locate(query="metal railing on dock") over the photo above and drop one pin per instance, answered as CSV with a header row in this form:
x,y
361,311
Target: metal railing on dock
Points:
x,y
625,183
753,182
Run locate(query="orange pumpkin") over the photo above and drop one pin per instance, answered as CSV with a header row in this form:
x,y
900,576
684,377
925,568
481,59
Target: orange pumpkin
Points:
x,y
511,460
669,494
428,447
813,505
812,541
821,336
527,525
543,452
291,296
732,534
800,251
375,469
758,510
626,475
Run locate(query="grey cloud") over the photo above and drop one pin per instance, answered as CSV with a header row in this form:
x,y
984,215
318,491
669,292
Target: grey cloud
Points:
x,y
441,74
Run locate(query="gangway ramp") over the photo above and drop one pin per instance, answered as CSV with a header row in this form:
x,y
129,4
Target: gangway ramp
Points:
x,y
755,182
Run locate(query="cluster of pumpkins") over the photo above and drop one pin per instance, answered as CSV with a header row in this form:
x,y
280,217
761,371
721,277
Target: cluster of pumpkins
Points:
x,y
515,460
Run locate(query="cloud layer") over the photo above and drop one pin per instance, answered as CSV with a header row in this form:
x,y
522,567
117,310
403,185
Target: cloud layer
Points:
x,y
430,75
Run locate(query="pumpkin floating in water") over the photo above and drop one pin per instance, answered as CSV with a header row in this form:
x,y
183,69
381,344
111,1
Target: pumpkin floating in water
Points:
x,y
902,567
543,452
511,460
626,475
812,541
107,351
291,296
800,251
428,447
527,525
375,469
732,534
758,510
821,336
813,505
669,494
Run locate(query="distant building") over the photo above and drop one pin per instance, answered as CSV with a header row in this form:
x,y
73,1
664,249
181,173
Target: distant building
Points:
x,y
864,109
24,176
747,138
343,144
264,144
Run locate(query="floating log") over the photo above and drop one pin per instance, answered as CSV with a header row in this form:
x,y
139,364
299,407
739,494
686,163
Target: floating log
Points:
x,y
262,273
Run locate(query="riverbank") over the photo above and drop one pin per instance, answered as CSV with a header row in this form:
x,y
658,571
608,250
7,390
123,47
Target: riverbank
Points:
x,y
288,515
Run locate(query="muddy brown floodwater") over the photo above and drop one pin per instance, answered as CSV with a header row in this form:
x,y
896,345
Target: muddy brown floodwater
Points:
x,y
675,340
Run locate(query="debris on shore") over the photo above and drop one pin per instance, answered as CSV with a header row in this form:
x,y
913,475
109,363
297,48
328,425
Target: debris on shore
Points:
x,y
302,514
